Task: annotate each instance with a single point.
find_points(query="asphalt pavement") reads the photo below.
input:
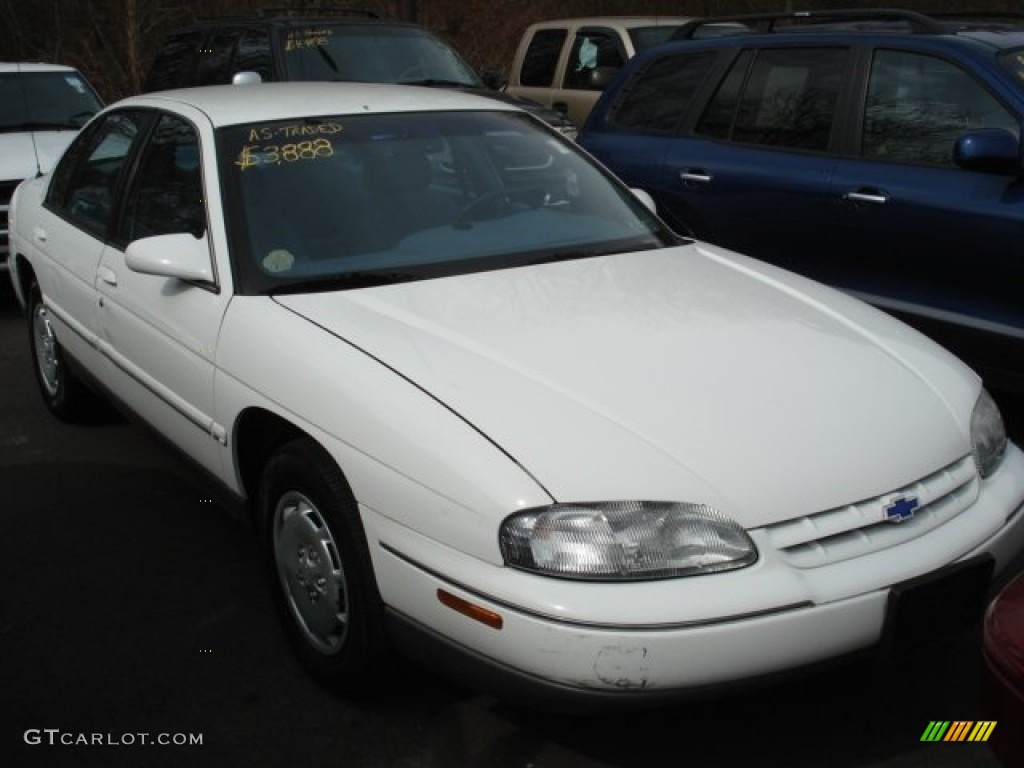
(136, 629)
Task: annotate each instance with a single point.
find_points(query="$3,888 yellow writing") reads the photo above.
(274, 154)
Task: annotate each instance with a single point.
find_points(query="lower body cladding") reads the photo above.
(542, 639)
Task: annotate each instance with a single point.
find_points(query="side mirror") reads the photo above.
(989, 150)
(494, 80)
(600, 77)
(180, 256)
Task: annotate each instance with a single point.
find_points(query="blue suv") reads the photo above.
(878, 151)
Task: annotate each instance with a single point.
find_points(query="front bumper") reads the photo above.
(770, 619)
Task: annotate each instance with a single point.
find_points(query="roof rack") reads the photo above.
(314, 9)
(759, 23)
(981, 19)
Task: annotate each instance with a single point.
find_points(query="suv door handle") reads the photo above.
(695, 175)
(39, 234)
(873, 196)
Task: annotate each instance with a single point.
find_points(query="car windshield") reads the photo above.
(41, 101)
(373, 54)
(1014, 62)
(351, 201)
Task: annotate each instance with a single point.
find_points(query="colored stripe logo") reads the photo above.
(958, 730)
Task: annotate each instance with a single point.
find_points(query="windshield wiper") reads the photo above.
(344, 282)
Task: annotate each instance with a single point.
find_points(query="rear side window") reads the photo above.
(658, 96)
(917, 105)
(541, 58)
(788, 100)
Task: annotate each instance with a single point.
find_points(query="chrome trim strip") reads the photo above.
(667, 627)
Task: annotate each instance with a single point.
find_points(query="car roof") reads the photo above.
(304, 20)
(238, 104)
(33, 66)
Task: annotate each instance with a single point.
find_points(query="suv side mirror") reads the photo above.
(989, 150)
(494, 80)
(600, 77)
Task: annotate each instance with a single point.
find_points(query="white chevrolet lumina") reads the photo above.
(483, 405)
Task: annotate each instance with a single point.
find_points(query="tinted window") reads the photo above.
(718, 118)
(174, 63)
(591, 49)
(789, 99)
(253, 54)
(351, 199)
(86, 180)
(214, 63)
(647, 37)
(374, 54)
(918, 105)
(167, 191)
(657, 97)
(45, 100)
(541, 58)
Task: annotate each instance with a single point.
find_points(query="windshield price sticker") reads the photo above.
(307, 38)
(293, 131)
(275, 154)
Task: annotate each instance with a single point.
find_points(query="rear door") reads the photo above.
(917, 233)
(753, 172)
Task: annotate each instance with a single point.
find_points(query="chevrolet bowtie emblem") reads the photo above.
(900, 509)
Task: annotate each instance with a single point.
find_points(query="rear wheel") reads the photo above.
(63, 394)
(320, 568)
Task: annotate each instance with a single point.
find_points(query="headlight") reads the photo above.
(988, 434)
(623, 541)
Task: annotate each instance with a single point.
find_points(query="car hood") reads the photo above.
(25, 154)
(686, 374)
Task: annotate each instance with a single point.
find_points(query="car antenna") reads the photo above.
(28, 114)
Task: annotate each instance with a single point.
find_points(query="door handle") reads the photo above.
(107, 275)
(875, 197)
(695, 176)
(39, 234)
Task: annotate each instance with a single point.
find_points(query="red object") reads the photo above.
(1003, 649)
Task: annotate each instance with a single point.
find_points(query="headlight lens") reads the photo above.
(624, 541)
(988, 434)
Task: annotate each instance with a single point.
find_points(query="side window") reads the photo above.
(173, 65)
(658, 96)
(541, 58)
(214, 63)
(167, 191)
(253, 54)
(789, 99)
(718, 118)
(591, 49)
(86, 180)
(917, 105)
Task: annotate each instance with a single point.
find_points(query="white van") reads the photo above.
(42, 107)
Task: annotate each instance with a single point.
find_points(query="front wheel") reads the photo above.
(63, 394)
(320, 567)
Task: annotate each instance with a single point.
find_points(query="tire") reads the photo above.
(64, 395)
(320, 570)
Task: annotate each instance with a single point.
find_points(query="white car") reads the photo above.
(483, 404)
(42, 106)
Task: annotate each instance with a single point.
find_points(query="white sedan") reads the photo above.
(483, 405)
